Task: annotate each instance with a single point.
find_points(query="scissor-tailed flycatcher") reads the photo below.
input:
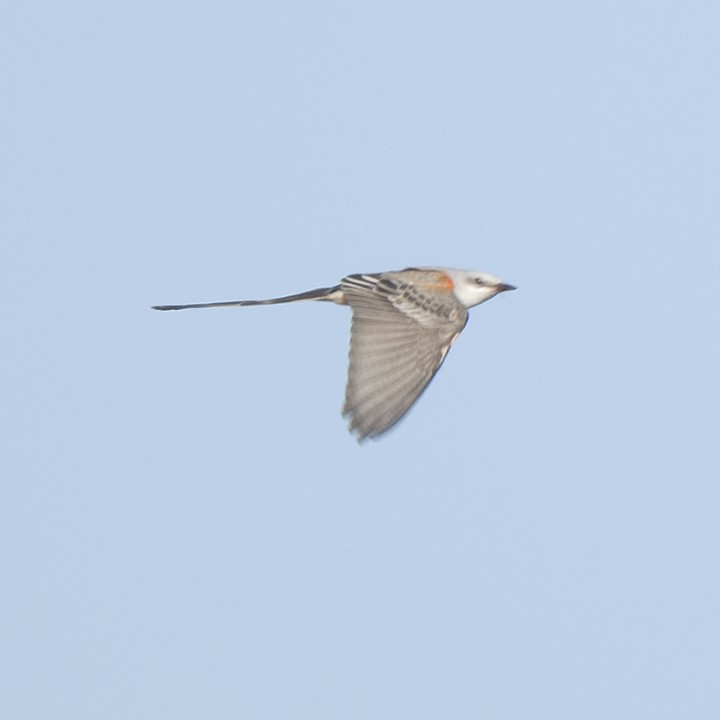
(403, 324)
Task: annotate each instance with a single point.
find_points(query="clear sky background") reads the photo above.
(187, 530)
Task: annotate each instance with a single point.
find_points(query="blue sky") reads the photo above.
(186, 527)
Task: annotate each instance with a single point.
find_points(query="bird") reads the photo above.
(403, 325)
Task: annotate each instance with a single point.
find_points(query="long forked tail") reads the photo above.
(332, 294)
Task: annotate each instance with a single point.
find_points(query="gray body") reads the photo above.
(403, 324)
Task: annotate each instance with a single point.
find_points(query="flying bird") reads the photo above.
(403, 324)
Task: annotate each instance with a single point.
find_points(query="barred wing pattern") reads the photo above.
(400, 336)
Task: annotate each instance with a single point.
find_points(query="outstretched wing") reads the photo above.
(403, 325)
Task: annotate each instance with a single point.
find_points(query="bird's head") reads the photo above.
(472, 287)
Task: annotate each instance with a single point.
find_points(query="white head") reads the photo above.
(473, 287)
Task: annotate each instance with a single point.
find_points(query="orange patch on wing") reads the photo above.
(444, 282)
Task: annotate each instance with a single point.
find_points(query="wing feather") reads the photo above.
(399, 339)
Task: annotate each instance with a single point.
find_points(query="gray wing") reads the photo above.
(400, 336)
